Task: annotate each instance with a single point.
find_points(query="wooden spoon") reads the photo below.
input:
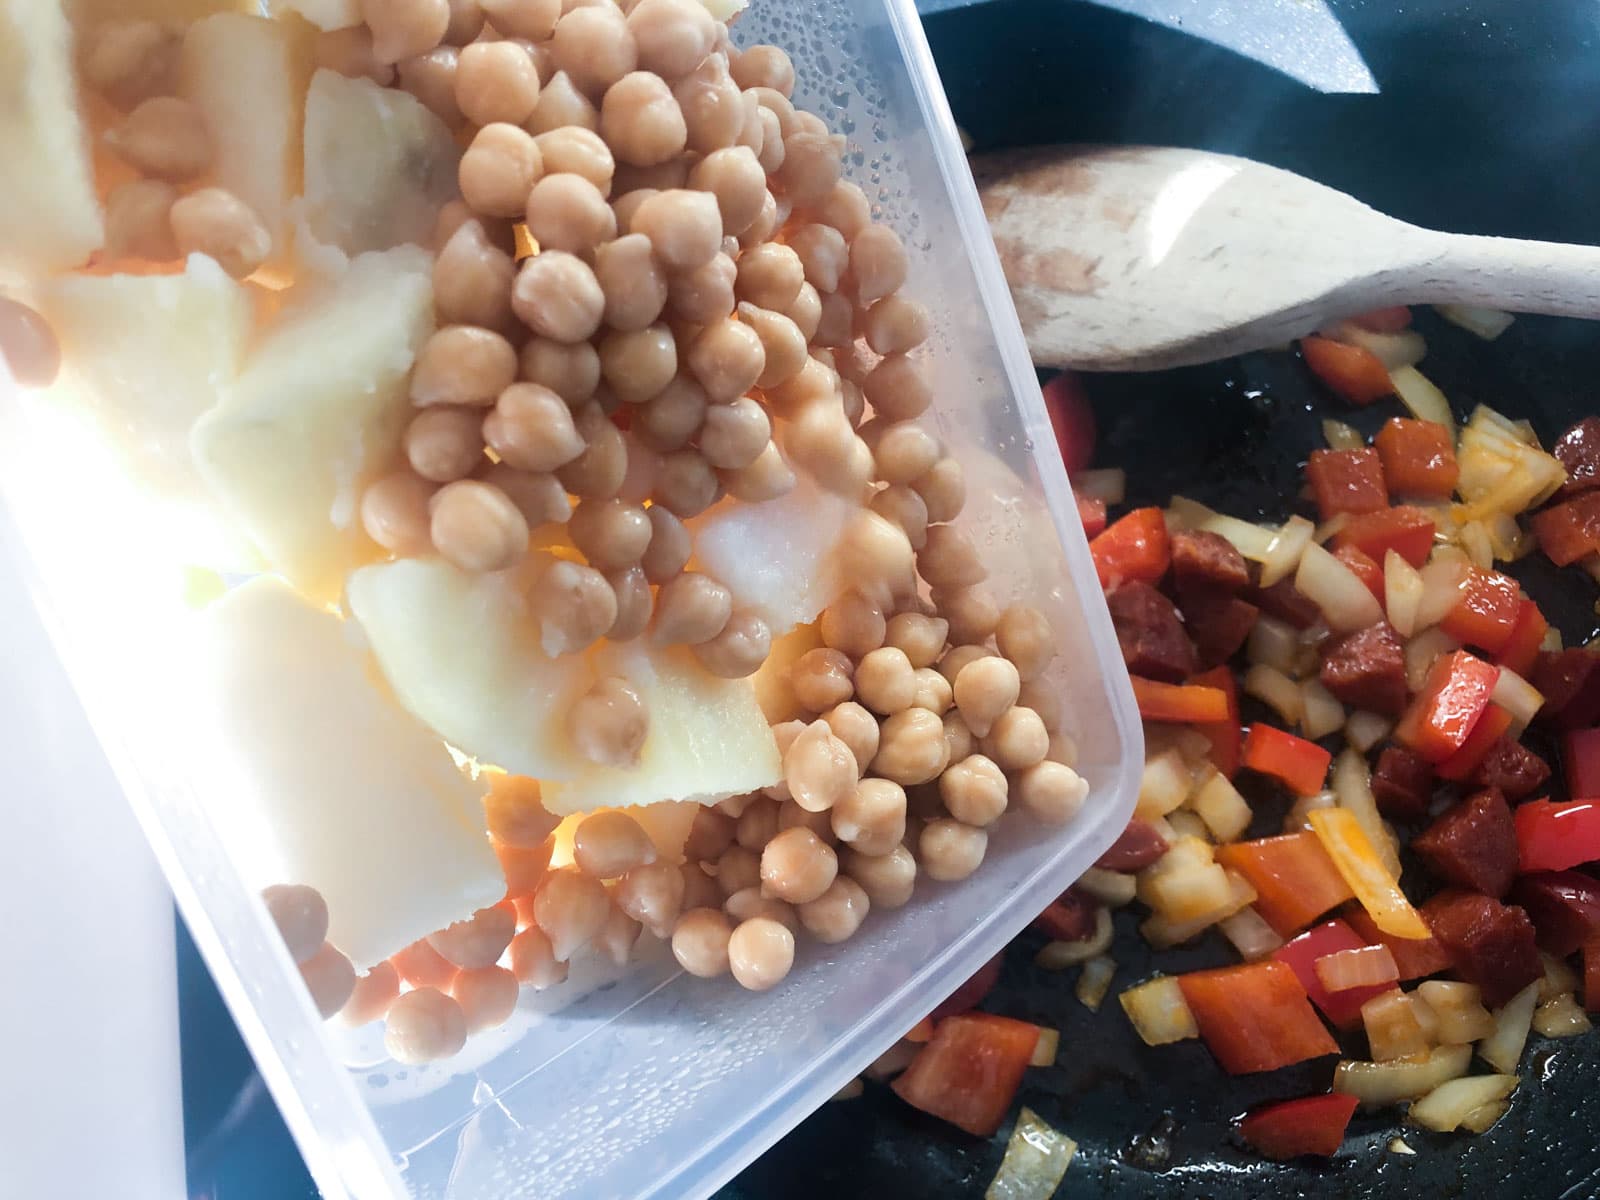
(1136, 258)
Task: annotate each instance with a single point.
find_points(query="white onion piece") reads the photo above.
(1276, 690)
(1159, 1013)
(1250, 934)
(1558, 978)
(1487, 323)
(1285, 553)
(1036, 1158)
(1423, 651)
(1321, 713)
(1298, 819)
(1459, 1008)
(1364, 730)
(1561, 1018)
(1273, 643)
(1474, 539)
(1442, 580)
(1402, 592)
(1446, 1106)
(1352, 785)
(1380, 1084)
(1426, 402)
(1252, 541)
(1359, 967)
(1340, 436)
(1094, 981)
(1058, 956)
(1112, 888)
(1335, 589)
(1518, 697)
(1502, 1049)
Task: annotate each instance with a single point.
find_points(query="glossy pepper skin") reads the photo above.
(1451, 702)
(1255, 1017)
(1311, 1125)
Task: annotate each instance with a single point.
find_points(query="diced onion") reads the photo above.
(1111, 888)
(1193, 894)
(1446, 1106)
(1273, 643)
(1422, 652)
(1502, 467)
(1402, 592)
(1252, 541)
(1110, 484)
(1474, 539)
(1518, 697)
(1402, 348)
(1502, 1049)
(1189, 825)
(1393, 1030)
(1398, 1146)
(1321, 713)
(1036, 1158)
(1382, 1084)
(1364, 730)
(1094, 981)
(1426, 402)
(1250, 934)
(1367, 872)
(1481, 1120)
(1334, 588)
(1340, 436)
(1164, 786)
(1561, 1018)
(1163, 932)
(1046, 1048)
(1506, 537)
(1359, 967)
(1442, 580)
(1558, 978)
(1224, 811)
(1552, 642)
(1058, 956)
(1275, 689)
(1487, 323)
(1462, 1016)
(1159, 1012)
(1352, 784)
(1298, 818)
(1284, 554)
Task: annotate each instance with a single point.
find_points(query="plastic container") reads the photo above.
(650, 1084)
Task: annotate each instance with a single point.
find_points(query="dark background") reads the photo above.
(1488, 122)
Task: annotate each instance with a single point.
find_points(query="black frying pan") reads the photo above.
(1485, 125)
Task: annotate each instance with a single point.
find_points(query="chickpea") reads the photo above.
(301, 915)
(532, 429)
(701, 890)
(974, 790)
(691, 608)
(738, 868)
(1018, 739)
(823, 254)
(749, 904)
(822, 678)
(572, 605)
(487, 996)
(594, 47)
(684, 227)
(472, 280)
(797, 866)
(853, 624)
(371, 997)
(608, 725)
(734, 177)
(531, 19)
(515, 813)
(898, 390)
(561, 106)
(453, 214)
(1025, 637)
(886, 681)
(760, 953)
(572, 150)
(878, 263)
(669, 548)
(673, 36)
(791, 815)
(138, 220)
(855, 362)
(700, 942)
(712, 106)
(423, 1026)
(984, 688)
(570, 370)
(652, 894)
(611, 534)
(895, 325)
(758, 824)
(599, 471)
(949, 850)
(733, 435)
(394, 513)
(958, 738)
(618, 936)
(164, 137)
(887, 879)
(703, 295)
(557, 296)
(766, 224)
(214, 221)
(1052, 791)
(129, 61)
(476, 527)
(766, 139)
(404, 28)
(443, 444)
(570, 907)
(921, 638)
(835, 320)
(686, 485)
(639, 364)
(806, 313)
(949, 560)
(765, 479)
(876, 555)
(635, 603)
(846, 208)
(496, 82)
(480, 940)
(911, 747)
(932, 691)
(641, 120)
(783, 347)
(835, 915)
(728, 357)
(608, 845)
(972, 612)
(819, 769)
(811, 166)
(463, 365)
(769, 276)
(763, 66)
(568, 212)
(634, 284)
(420, 965)
(856, 728)
(534, 961)
(711, 833)
(905, 452)
(872, 819)
(739, 650)
(430, 77)
(943, 490)
(499, 169)
(539, 497)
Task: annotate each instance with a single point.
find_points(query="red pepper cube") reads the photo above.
(1353, 372)
(1364, 569)
(1450, 704)
(1580, 752)
(1405, 529)
(1312, 1125)
(1255, 1017)
(969, 1071)
(1072, 419)
(1419, 459)
(1301, 765)
(1486, 615)
(1521, 650)
(1416, 958)
(1186, 704)
(1225, 735)
(1300, 956)
(1134, 548)
(1295, 880)
(1092, 512)
(1459, 767)
(1553, 837)
(1569, 531)
(1564, 907)
(1347, 481)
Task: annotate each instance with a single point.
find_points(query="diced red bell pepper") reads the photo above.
(1301, 765)
(1521, 650)
(1353, 372)
(1347, 481)
(1225, 735)
(1451, 702)
(1312, 1125)
(1364, 569)
(1416, 958)
(1071, 918)
(1255, 1017)
(971, 993)
(1553, 837)
(1580, 752)
(1300, 956)
(1419, 459)
(1135, 547)
(1092, 512)
(1570, 531)
(1591, 976)
(1459, 766)
(969, 1071)
(1486, 614)
(1072, 418)
(1295, 880)
(1187, 704)
(1405, 529)
(1384, 320)
(1138, 846)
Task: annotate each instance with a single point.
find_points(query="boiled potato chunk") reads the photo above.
(49, 217)
(462, 655)
(248, 76)
(156, 10)
(378, 165)
(324, 14)
(325, 781)
(318, 409)
(707, 737)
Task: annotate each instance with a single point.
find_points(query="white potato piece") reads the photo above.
(49, 216)
(248, 76)
(326, 781)
(378, 165)
(318, 408)
(157, 10)
(324, 14)
(707, 739)
(462, 656)
(774, 556)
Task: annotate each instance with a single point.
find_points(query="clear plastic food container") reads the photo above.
(640, 1082)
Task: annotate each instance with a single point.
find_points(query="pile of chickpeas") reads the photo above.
(655, 291)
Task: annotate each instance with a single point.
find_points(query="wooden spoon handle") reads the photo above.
(1530, 277)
